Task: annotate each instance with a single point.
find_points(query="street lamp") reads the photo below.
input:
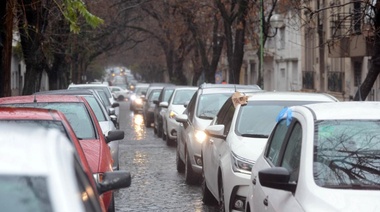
(276, 21)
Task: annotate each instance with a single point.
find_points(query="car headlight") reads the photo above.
(133, 97)
(98, 177)
(200, 136)
(240, 164)
(172, 114)
(139, 101)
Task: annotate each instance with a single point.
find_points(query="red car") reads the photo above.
(86, 127)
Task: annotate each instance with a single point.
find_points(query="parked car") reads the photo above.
(86, 127)
(119, 93)
(174, 106)
(164, 96)
(136, 98)
(200, 111)
(320, 157)
(103, 90)
(103, 117)
(40, 171)
(148, 106)
(237, 136)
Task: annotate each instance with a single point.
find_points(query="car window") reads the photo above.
(104, 98)
(209, 104)
(24, 193)
(292, 153)
(223, 111)
(75, 112)
(94, 104)
(346, 154)
(182, 96)
(257, 118)
(191, 106)
(154, 95)
(228, 118)
(275, 142)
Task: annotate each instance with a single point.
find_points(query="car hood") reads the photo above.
(92, 150)
(249, 148)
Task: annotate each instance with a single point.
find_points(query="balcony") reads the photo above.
(351, 46)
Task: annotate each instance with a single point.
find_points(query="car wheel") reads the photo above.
(190, 176)
(120, 98)
(179, 163)
(164, 134)
(207, 196)
(159, 130)
(221, 196)
(111, 207)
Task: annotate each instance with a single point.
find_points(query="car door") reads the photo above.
(268, 159)
(286, 155)
(212, 149)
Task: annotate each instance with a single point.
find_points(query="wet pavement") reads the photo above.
(156, 184)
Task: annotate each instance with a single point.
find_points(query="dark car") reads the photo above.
(165, 95)
(148, 108)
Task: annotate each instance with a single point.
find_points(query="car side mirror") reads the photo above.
(164, 104)
(216, 131)
(115, 104)
(114, 135)
(111, 111)
(276, 178)
(182, 118)
(114, 180)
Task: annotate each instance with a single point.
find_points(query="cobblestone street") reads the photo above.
(156, 184)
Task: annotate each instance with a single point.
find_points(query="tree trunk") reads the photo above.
(373, 72)
(6, 35)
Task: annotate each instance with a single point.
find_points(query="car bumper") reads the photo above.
(236, 187)
(172, 126)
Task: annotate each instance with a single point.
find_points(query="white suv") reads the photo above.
(237, 136)
(199, 113)
(320, 157)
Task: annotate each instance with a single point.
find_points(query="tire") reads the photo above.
(191, 177)
(164, 135)
(120, 98)
(207, 197)
(111, 207)
(159, 130)
(179, 163)
(221, 196)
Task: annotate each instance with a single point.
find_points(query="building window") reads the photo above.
(335, 81)
(357, 73)
(308, 79)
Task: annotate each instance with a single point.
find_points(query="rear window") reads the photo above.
(75, 112)
(24, 193)
(48, 124)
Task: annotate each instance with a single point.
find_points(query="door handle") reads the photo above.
(254, 181)
(266, 201)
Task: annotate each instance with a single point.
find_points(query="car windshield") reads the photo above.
(209, 104)
(104, 98)
(347, 154)
(168, 93)
(24, 193)
(140, 90)
(96, 107)
(182, 96)
(257, 118)
(154, 95)
(75, 112)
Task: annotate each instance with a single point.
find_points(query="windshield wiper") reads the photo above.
(254, 135)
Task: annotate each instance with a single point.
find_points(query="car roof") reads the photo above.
(41, 148)
(29, 113)
(66, 92)
(229, 86)
(88, 85)
(41, 98)
(287, 96)
(344, 110)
